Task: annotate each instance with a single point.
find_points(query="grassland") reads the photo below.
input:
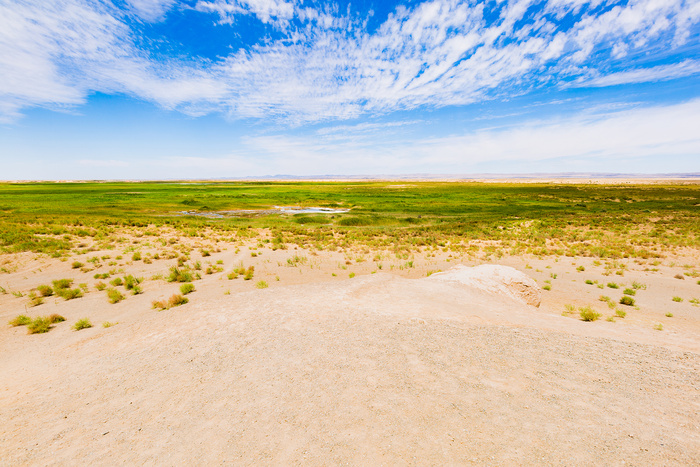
(607, 221)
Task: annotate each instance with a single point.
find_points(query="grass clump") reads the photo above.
(100, 286)
(136, 256)
(659, 327)
(677, 299)
(21, 320)
(613, 285)
(116, 282)
(620, 313)
(45, 290)
(174, 300)
(83, 323)
(669, 315)
(588, 314)
(638, 286)
(547, 287)
(56, 318)
(631, 292)
(114, 296)
(35, 300)
(179, 275)
(39, 325)
(627, 300)
(261, 285)
(186, 288)
(589, 282)
(77, 265)
(107, 324)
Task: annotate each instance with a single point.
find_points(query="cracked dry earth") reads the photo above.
(379, 370)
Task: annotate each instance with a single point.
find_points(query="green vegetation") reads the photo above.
(602, 221)
(620, 313)
(39, 325)
(677, 299)
(179, 275)
(669, 315)
(588, 314)
(186, 288)
(261, 285)
(613, 285)
(631, 292)
(82, 324)
(56, 318)
(45, 290)
(21, 320)
(627, 300)
(115, 296)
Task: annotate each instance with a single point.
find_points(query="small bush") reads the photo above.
(627, 300)
(205, 253)
(659, 327)
(631, 292)
(580, 269)
(35, 300)
(100, 286)
(161, 304)
(620, 313)
(547, 287)
(589, 282)
(56, 318)
(130, 281)
(261, 285)
(115, 296)
(669, 315)
(21, 320)
(70, 294)
(679, 276)
(107, 324)
(351, 275)
(77, 265)
(135, 290)
(116, 282)
(613, 285)
(677, 299)
(638, 286)
(136, 256)
(82, 324)
(179, 275)
(62, 284)
(588, 314)
(39, 325)
(177, 300)
(45, 290)
(186, 288)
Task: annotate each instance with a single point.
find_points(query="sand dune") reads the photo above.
(380, 369)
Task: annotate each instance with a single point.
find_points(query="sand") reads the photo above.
(388, 367)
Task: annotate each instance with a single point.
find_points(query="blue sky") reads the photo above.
(150, 89)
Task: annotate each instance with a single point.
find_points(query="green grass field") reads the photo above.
(590, 220)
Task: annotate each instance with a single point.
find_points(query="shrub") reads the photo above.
(39, 325)
(261, 285)
(56, 318)
(116, 282)
(70, 294)
(659, 327)
(107, 324)
(638, 286)
(45, 290)
(588, 314)
(115, 296)
(677, 299)
(82, 324)
(627, 300)
(35, 300)
(162, 304)
(547, 287)
(613, 285)
(589, 282)
(186, 288)
(136, 256)
(629, 292)
(205, 253)
(669, 315)
(620, 313)
(100, 286)
(130, 281)
(351, 275)
(135, 290)
(179, 275)
(77, 264)
(62, 284)
(21, 320)
(580, 269)
(177, 300)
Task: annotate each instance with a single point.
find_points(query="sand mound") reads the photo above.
(495, 279)
(374, 370)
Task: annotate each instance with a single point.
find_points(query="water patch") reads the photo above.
(262, 212)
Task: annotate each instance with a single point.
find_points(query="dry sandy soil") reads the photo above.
(388, 367)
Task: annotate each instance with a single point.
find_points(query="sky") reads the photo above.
(166, 89)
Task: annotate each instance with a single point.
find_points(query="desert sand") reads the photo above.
(389, 367)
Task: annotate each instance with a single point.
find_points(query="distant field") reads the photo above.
(564, 219)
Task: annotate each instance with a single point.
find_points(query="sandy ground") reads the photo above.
(387, 367)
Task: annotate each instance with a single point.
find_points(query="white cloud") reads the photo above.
(614, 141)
(643, 75)
(327, 65)
(151, 10)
